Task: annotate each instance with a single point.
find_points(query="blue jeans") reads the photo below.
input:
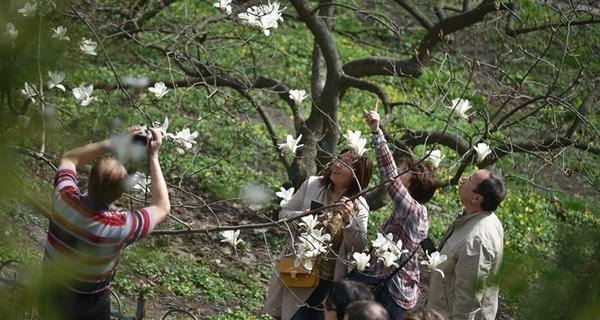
(313, 308)
(386, 300)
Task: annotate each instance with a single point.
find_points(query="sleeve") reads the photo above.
(355, 233)
(142, 223)
(472, 270)
(387, 166)
(294, 207)
(65, 176)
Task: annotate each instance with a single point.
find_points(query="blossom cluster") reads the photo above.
(313, 243)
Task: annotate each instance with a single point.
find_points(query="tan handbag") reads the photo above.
(298, 277)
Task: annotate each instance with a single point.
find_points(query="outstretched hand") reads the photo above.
(372, 117)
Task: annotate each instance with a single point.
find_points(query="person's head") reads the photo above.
(422, 313)
(105, 184)
(366, 310)
(349, 171)
(341, 294)
(483, 190)
(419, 178)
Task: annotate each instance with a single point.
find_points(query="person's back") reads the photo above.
(85, 238)
(366, 310)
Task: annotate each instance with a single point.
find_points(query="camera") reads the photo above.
(141, 138)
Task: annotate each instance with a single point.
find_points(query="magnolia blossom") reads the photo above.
(389, 259)
(298, 96)
(460, 107)
(28, 10)
(436, 157)
(264, 17)
(60, 33)
(355, 142)
(10, 34)
(55, 80)
(162, 128)
(184, 139)
(434, 260)
(311, 246)
(361, 260)
(88, 46)
(482, 151)
(309, 222)
(285, 195)
(291, 144)
(396, 248)
(159, 89)
(223, 5)
(382, 243)
(231, 237)
(83, 94)
(138, 182)
(29, 91)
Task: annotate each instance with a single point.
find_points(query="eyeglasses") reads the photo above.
(327, 305)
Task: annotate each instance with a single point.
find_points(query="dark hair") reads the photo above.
(366, 310)
(422, 313)
(492, 189)
(423, 182)
(344, 292)
(105, 184)
(363, 170)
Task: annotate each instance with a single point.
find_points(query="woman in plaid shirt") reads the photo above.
(409, 187)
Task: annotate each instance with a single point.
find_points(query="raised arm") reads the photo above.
(159, 203)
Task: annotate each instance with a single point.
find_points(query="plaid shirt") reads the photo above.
(408, 222)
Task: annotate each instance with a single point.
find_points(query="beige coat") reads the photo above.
(474, 250)
(283, 302)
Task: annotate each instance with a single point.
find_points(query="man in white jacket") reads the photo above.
(474, 245)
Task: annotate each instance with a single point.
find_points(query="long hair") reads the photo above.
(363, 171)
(423, 182)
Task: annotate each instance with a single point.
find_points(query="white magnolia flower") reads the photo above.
(361, 260)
(285, 195)
(482, 151)
(29, 91)
(223, 5)
(162, 128)
(10, 34)
(311, 246)
(460, 107)
(382, 243)
(138, 182)
(291, 144)
(60, 33)
(434, 260)
(389, 259)
(355, 142)
(436, 157)
(396, 248)
(265, 17)
(298, 96)
(88, 46)
(309, 222)
(28, 10)
(184, 139)
(159, 89)
(83, 94)
(231, 237)
(55, 80)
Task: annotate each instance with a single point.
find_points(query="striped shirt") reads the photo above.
(83, 245)
(408, 222)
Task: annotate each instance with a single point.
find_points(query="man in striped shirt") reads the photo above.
(410, 187)
(85, 238)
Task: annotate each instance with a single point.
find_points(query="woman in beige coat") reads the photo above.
(346, 223)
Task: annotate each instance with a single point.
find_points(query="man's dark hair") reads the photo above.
(492, 189)
(366, 310)
(423, 182)
(344, 292)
